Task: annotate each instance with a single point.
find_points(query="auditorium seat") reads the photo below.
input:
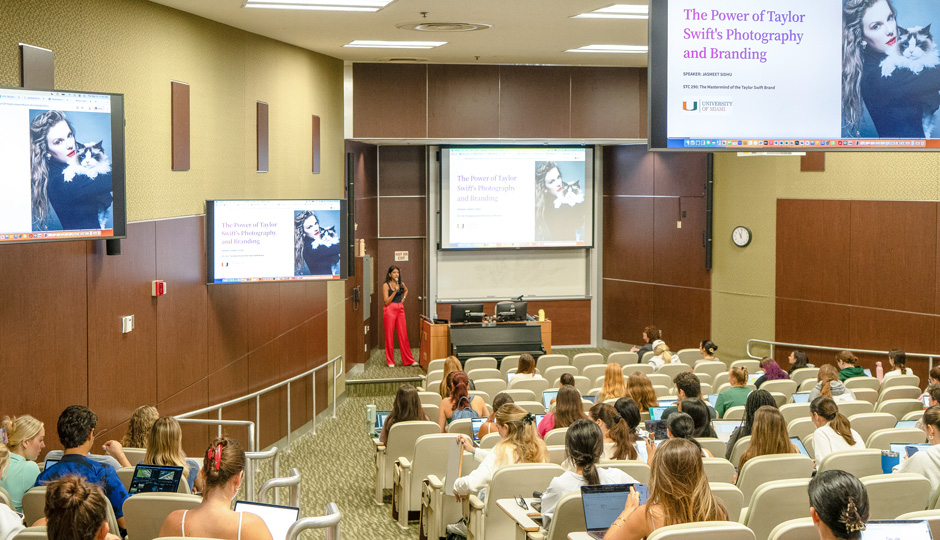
(671, 370)
(490, 386)
(780, 399)
(593, 371)
(861, 462)
(556, 454)
(775, 502)
(689, 356)
(661, 379)
(899, 392)
(795, 529)
(462, 425)
(712, 369)
(581, 360)
(486, 519)
(866, 394)
(401, 443)
(753, 366)
(718, 469)
(703, 530)
(801, 427)
(883, 437)
(703, 378)
(522, 394)
(643, 368)
(803, 374)
(429, 398)
(125, 475)
(637, 469)
(807, 385)
(534, 407)
(483, 373)
(144, 513)
(784, 386)
(34, 506)
(914, 415)
(490, 440)
(761, 469)
(624, 358)
(730, 496)
(900, 380)
(792, 411)
(720, 379)
(555, 372)
(863, 382)
(586, 406)
(716, 446)
(431, 454)
(433, 411)
(661, 391)
(5, 498)
(437, 510)
(31, 533)
(479, 362)
(899, 407)
(548, 360)
(568, 517)
(890, 495)
(433, 381)
(850, 408)
(741, 446)
(735, 413)
(508, 363)
(556, 436)
(646, 357)
(487, 398)
(868, 423)
(581, 383)
(134, 455)
(535, 385)
(437, 364)
(706, 388)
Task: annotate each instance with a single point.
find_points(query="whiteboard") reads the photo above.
(500, 275)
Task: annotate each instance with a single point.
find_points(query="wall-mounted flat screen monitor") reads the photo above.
(777, 75)
(63, 165)
(464, 313)
(275, 240)
(517, 197)
(511, 311)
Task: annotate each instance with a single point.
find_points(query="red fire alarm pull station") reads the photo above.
(157, 287)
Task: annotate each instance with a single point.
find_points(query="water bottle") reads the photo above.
(889, 459)
(879, 372)
(370, 418)
(541, 314)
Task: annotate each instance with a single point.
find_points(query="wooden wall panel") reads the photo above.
(390, 100)
(534, 102)
(463, 101)
(355, 325)
(628, 170)
(799, 321)
(879, 329)
(195, 396)
(604, 103)
(412, 274)
(628, 307)
(683, 315)
(402, 171)
(894, 253)
(263, 311)
(679, 256)
(228, 383)
(227, 321)
(628, 245)
(298, 303)
(813, 247)
(365, 157)
(264, 369)
(681, 174)
(402, 216)
(182, 327)
(119, 286)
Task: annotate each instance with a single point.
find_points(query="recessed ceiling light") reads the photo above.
(617, 11)
(618, 49)
(320, 5)
(443, 26)
(395, 44)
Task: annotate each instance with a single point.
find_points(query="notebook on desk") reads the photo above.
(277, 518)
(155, 479)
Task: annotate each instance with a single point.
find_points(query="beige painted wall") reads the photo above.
(746, 193)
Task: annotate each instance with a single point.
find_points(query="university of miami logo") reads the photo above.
(686, 106)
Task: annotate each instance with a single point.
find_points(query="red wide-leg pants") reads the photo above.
(394, 317)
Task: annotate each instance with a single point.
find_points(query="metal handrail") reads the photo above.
(257, 397)
(773, 344)
(330, 522)
(292, 481)
(250, 466)
(267, 454)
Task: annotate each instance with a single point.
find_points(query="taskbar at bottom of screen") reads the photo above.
(56, 235)
(268, 279)
(751, 145)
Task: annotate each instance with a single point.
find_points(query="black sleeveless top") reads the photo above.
(398, 294)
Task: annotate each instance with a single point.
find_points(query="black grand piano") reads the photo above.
(496, 340)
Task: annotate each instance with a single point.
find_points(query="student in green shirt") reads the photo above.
(848, 366)
(736, 395)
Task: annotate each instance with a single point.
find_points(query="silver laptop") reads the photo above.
(800, 397)
(724, 428)
(895, 529)
(277, 518)
(603, 503)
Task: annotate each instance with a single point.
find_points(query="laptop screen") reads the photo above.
(155, 479)
(538, 419)
(906, 424)
(896, 529)
(476, 423)
(548, 396)
(667, 402)
(799, 445)
(926, 400)
(712, 400)
(906, 450)
(277, 518)
(752, 377)
(603, 503)
(724, 428)
(867, 372)
(800, 397)
(592, 398)
(656, 413)
(380, 417)
(49, 463)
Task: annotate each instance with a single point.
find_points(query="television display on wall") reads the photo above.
(275, 240)
(795, 75)
(63, 165)
(517, 197)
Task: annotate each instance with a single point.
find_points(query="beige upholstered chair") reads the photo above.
(486, 519)
(890, 495)
(758, 470)
(775, 502)
(703, 530)
(401, 443)
(624, 358)
(861, 462)
(144, 513)
(795, 529)
(718, 469)
(581, 360)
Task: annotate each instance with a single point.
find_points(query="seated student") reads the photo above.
(769, 435)
(688, 386)
(679, 426)
(772, 372)
(566, 379)
(164, 447)
(76, 509)
(614, 385)
(629, 410)
(898, 360)
(489, 425)
(755, 400)
(583, 448)
(568, 408)
(933, 399)
(927, 462)
(526, 369)
(25, 437)
(640, 389)
(707, 348)
(619, 438)
(650, 334)
(139, 427)
(451, 365)
(848, 366)
(679, 493)
(223, 470)
(460, 402)
(833, 430)
(10, 522)
(406, 407)
(838, 504)
(798, 360)
(661, 355)
(697, 409)
(735, 396)
(829, 385)
(76, 429)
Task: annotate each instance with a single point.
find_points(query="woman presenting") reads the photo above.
(394, 293)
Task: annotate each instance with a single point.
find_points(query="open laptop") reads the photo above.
(906, 424)
(49, 463)
(155, 479)
(667, 401)
(656, 413)
(712, 399)
(380, 417)
(908, 529)
(799, 446)
(476, 423)
(277, 518)
(724, 428)
(867, 372)
(800, 397)
(906, 450)
(752, 377)
(548, 396)
(592, 398)
(538, 419)
(603, 503)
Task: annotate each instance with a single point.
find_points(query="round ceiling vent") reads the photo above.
(404, 60)
(443, 26)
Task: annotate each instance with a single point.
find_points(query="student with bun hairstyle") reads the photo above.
(707, 348)
(76, 510)
(11, 523)
(640, 389)
(833, 430)
(614, 385)
(25, 437)
(735, 396)
(830, 386)
(583, 448)
(619, 438)
(848, 366)
(223, 471)
(838, 504)
(679, 493)
(898, 361)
